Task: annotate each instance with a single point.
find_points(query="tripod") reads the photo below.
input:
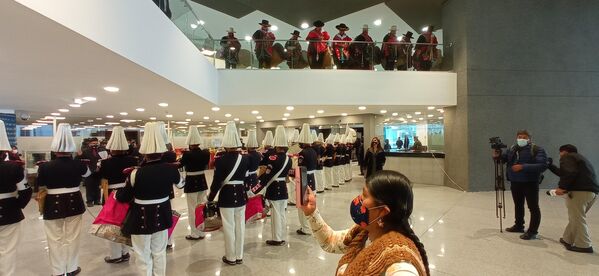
(499, 192)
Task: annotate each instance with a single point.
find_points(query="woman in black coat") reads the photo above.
(375, 157)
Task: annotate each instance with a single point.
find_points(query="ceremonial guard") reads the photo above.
(362, 51)
(349, 140)
(404, 60)
(112, 169)
(169, 156)
(339, 159)
(230, 49)
(306, 158)
(329, 163)
(92, 182)
(317, 46)
(254, 159)
(195, 162)
(150, 215)
(267, 149)
(264, 39)
(15, 193)
(318, 147)
(341, 47)
(63, 206)
(294, 50)
(229, 174)
(292, 152)
(426, 50)
(390, 49)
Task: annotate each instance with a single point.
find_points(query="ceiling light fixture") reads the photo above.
(139, 109)
(394, 114)
(417, 112)
(169, 115)
(193, 26)
(89, 99)
(274, 28)
(311, 116)
(55, 114)
(63, 110)
(284, 119)
(189, 112)
(361, 107)
(216, 108)
(217, 121)
(286, 114)
(343, 114)
(255, 112)
(258, 117)
(248, 38)
(430, 107)
(261, 121)
(383, 111)
(320, 111)
(242, 122)
(75, 105)
(227, 115)
(124, 113)
(440, 118)
(304, 25)
(378, 22)
(163, 104)
(430, 115)
(112, 89)
(79, 101)
(236, 119)
(152, 118)
(109, 116)
(290, 108)
(206, 118)
(188, 120)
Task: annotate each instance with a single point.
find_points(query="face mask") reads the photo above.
(522, 142)
(359, 213)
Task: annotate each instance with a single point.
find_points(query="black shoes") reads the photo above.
(75, 272)
(564, 243)
(528, 236)
(327, 189)
(124, 258)
(169, 247)
(290, 204)
(228, 262)
(515, 229)
(275, 243)
(90, 204)
(239, 261)
(300, 232)
(580, 249)
(192, 238)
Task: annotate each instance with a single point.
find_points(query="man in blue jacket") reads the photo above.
(525, 164)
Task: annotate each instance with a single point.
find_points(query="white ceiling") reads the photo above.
(45, 66)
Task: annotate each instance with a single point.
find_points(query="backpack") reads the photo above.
(534, 150)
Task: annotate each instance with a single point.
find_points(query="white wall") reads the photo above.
(138, 31)
(316, 87)
(40, 143)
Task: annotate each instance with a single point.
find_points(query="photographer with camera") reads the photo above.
(525, 164)
(578, 180)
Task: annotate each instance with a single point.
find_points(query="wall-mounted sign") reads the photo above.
(10, 122)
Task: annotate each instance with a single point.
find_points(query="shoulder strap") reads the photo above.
(132, 177)
(534, 150)
(228, 178)
(277, 174)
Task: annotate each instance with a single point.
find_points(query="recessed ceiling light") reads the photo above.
(193, 26)
(258, 117)
(217, 121)
(188, 120)
(378, 22)
(128, 121)
(189, 112)
(55, 114)
(343, 114)
(163, 104)
(109, 116)
(216, 108)
(90, 121)
(169, 115)
(99, 119)
(383, 111)
(112, 89)
(261, 121)
(75, 105)
(274, 28)
(441, 110)
(78, 101)
(124, 113)
(311, 116)
(111, 123)
(320, 111)
(242, 122)
(236, 119)
(305, 25)
(413, 121)
(255, 112)
(429, 115)
(290, 108)
(402, 119)
(430, 107)
(394, 114)
(420, 119)
(248, 38)
(63, 110)
(440, 118)
(140, 109)
(89, 99)
(152, 118)
(417, 112)
(286, 114)
(206, 118)
(284, 119)
(361, 107)
(409, 116)
(227, 115)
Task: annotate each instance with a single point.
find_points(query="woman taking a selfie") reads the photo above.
(381, 214)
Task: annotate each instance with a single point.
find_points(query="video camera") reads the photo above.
(496, 143)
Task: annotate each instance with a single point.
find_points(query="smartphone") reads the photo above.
(301, 185)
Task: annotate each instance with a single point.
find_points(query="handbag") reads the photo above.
(176, 217)
(113, 212)
(254, 208)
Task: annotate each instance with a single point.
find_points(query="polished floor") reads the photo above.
(459, 231)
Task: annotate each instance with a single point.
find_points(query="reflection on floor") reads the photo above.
(459, 231)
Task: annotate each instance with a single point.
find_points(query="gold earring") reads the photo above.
(381, 223)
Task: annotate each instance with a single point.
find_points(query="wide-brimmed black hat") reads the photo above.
(318, 23)
(408, 34)
(342, 26)
(296, 32)
(264, 23)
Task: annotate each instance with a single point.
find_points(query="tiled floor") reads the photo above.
(459, 231)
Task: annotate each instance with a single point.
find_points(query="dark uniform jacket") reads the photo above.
(319, 149)
(13, 179)
(348, 150)
(112, 168)
(230, 195)
(254, 160)
(340, 155)
(277, 190)
(62, 172)
(309, 159)
(169, 156)
(329, 153)
(576, 173)
(153, 181)
(266, 155)
(195, 160)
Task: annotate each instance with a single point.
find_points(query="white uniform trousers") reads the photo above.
(303, 222)
(193, 199)
(319, 178)
(291, 190)
(151, 253)
(278, 219)
(340, 174)
(9, 238)
(234, 230)
(117, 250)
(63, 243)
(348, 174)
(329, 177)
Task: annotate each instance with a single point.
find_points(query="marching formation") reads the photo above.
(250, 182)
